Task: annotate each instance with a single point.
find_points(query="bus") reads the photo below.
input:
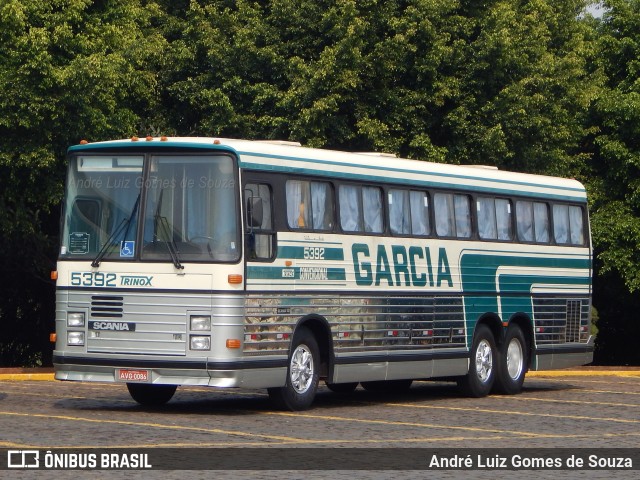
(265, 264)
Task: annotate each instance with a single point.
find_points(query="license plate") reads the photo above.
(126, 375)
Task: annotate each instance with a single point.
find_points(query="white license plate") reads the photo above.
(127, 375)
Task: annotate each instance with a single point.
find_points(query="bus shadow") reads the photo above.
(202, 401)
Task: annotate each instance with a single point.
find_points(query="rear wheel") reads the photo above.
(302, 374)
(482, 371)
(151, 395)
(511, 366)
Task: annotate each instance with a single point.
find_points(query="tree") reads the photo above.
(614, 179)
(68, 70)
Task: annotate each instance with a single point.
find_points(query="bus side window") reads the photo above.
(408, 212)
(576, 226)
(309, 205)
(259, 222)
(541, 222)
(494, 218)
(561, 224)
(361, 209)
(568, 228)
(453, 215)
(445, 218)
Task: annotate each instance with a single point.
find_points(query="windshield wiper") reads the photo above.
(123, 227)
(171, 244)
(166, 231)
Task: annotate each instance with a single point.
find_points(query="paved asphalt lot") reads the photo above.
(577, 409)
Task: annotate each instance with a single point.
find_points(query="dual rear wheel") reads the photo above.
(501, 369)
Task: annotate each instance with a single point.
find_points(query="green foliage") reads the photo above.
(614, 180)
(69, 69)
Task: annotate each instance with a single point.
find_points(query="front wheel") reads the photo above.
(512, 362)
(482, 372)
(151, 395)
(302, 374)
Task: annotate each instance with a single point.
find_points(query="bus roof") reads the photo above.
(290, 157)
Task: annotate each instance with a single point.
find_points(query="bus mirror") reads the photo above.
(254, 212)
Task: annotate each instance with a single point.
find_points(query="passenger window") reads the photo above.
(561, 223)
(494, 218)
(568, 228)
(260, 235)
(409, 212)
(453, 215)
(487, 218)
(399, 212)
(420, 223)
(576, 226)
(532, 222)
(309, 205)
(503, 219)
(445, 218)
(360, 209)
(541, 222)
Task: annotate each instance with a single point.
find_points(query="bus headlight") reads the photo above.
(200, 323)
(200, 342)
(75, 319)
(75, 338)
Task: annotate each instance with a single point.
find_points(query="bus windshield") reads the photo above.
(191, 208)
(170, 208)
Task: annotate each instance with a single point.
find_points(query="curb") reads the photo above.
(26, 376)
(584, 373)
(46, 374)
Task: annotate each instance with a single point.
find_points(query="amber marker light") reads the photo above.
(54, 275)
(163, 138)
(134, 138)
(233, 343)
(83, 142)
(149, 138)
(234, 279)
(216, 142)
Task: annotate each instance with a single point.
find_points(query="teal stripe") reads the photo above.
(479, 271)
(522, 283)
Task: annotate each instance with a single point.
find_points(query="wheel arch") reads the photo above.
(525, 323)
(493, 322)
(319, 327)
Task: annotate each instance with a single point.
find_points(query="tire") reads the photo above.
(482, 372)
(342, 387)
(387, 386)
(511, 366)
(302, 374)
(151, 395)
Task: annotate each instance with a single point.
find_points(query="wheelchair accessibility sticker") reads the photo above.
(127, 248)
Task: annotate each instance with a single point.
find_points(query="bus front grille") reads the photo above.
(106, 306)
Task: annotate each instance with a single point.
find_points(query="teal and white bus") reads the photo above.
(259, 264)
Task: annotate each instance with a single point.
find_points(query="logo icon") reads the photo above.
(127, 248)
(23, 459)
